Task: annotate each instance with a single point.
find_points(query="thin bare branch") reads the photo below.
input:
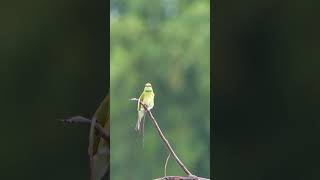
(100, 132)
(165, 165)
(166, 142)
(82, 120)
(168, 146)
(181, 178)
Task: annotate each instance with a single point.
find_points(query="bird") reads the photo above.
(146, 98)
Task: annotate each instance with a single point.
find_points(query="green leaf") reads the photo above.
(101, 149)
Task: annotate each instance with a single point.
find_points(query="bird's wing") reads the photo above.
(140, 100)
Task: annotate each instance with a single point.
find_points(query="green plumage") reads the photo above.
(147, 98)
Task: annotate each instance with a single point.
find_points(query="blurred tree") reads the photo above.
(165, 43)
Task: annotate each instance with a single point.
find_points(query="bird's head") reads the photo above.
(148, 87)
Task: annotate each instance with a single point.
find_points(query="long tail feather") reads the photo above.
(142, 125)
(137, 124)
(140, 116)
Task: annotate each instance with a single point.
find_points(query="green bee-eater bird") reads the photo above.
(147, 98)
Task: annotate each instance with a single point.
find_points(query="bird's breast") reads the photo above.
(149, 100)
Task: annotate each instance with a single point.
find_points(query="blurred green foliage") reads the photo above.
(167, 44)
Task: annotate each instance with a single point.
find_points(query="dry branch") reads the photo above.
(165, 165)
(82, 120)
(181, 178)
(168, 146)
(100, 131)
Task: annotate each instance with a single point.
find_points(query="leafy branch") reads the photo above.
(169, 148)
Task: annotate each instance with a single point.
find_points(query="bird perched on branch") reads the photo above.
(147, 98)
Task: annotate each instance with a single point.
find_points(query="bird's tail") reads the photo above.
(142, 124)
(139, 120)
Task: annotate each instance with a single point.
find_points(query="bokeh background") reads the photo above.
(166, 43)
(53, 65)
(266, 90)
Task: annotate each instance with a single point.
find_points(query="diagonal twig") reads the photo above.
(166, 142)
(165, 165)
(95, 128)
(168, 146)
(181, 178)
(82, 120)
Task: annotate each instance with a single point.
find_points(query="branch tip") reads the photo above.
(133, 99)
